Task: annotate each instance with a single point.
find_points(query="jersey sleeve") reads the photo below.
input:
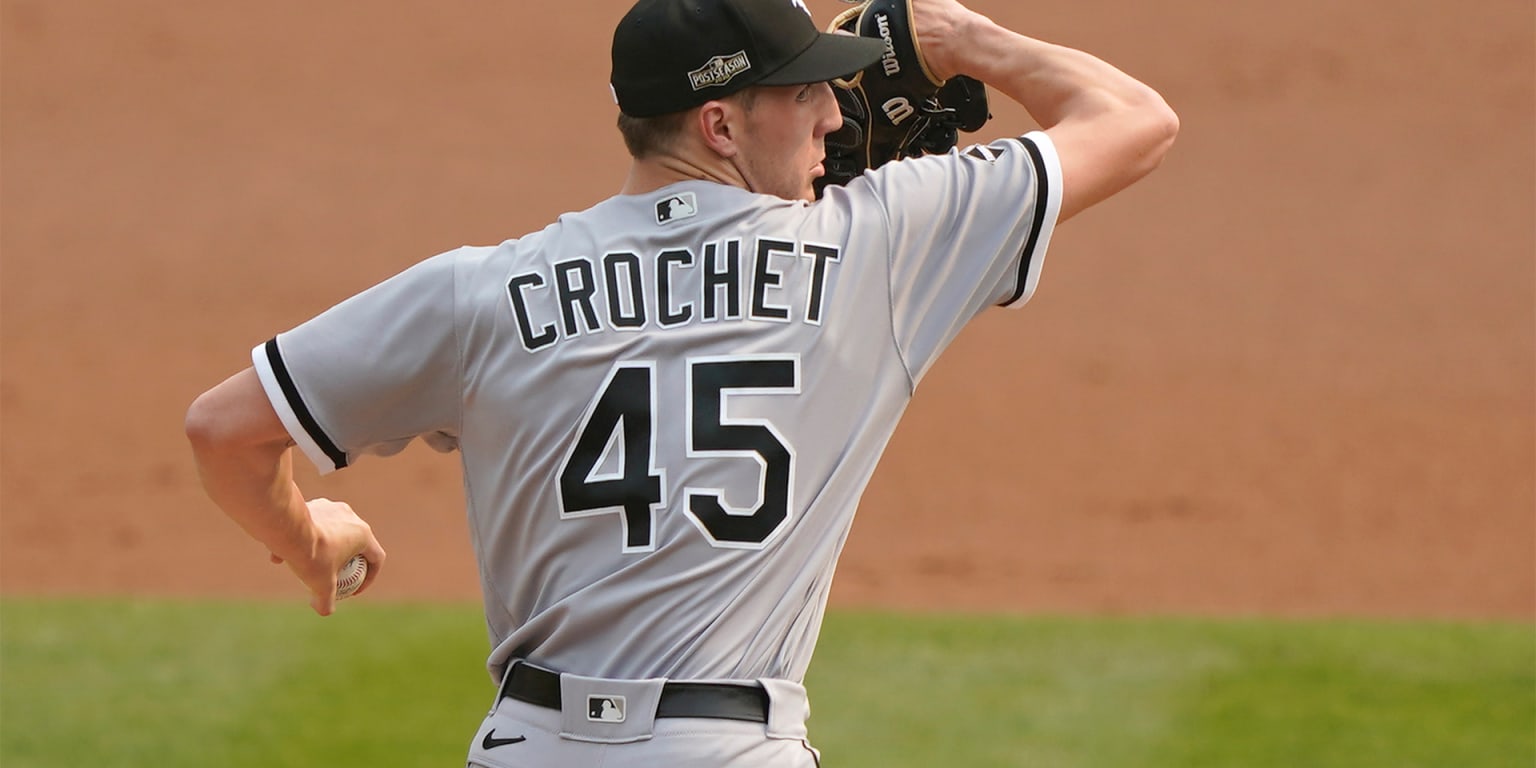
(373, 372)
(968, 230)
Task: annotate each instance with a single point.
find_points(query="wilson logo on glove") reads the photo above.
(898, 109)
(922, 115)
(889, 61)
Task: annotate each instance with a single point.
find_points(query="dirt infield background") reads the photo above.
(1294, 372)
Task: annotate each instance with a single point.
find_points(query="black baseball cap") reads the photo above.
(672, 55)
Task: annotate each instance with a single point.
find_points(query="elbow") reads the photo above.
(1167, 130)
(204, 428)
(214, 424)
(1113, 150)
(1160, 129)
(233, 425)
(218, 431)
(233, 414)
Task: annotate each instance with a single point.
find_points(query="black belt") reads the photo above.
(720, 701)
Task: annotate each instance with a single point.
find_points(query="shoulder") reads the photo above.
(999, 175)
(1032, 152)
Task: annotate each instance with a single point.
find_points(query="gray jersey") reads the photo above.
(668, 405)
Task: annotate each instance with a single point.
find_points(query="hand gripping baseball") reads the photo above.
(339, 534)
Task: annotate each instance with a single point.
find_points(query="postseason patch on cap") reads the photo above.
(719, 70)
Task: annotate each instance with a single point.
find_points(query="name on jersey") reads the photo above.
(729, 280)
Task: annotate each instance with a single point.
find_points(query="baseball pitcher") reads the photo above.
(667, 405)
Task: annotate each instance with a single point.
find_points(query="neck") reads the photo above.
(649, 174)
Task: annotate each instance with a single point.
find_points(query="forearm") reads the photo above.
(1052, 82)
(1108, 128)
(245, 459)
(253, 485)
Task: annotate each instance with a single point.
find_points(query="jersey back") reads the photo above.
(668, 405)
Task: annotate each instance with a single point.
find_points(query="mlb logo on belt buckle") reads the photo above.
(605, 709)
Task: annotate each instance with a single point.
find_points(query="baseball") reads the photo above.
(350, 577)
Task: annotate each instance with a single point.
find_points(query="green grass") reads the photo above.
(238, 684)
(1053, 693)
(163, 683)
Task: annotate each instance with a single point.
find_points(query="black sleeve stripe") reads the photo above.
(1042, 203)
(301, 411)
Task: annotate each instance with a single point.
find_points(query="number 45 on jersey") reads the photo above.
(622, 419)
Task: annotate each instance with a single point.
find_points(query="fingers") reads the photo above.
(322, 592)
(339, 534)
(324, 603)
(374, 554)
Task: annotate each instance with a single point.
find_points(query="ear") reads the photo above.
(719, 123)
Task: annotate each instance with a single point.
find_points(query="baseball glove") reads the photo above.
(896, 108)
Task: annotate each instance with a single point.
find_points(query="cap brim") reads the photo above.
(831, 56)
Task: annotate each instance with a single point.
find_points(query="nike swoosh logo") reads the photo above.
(491, 742)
